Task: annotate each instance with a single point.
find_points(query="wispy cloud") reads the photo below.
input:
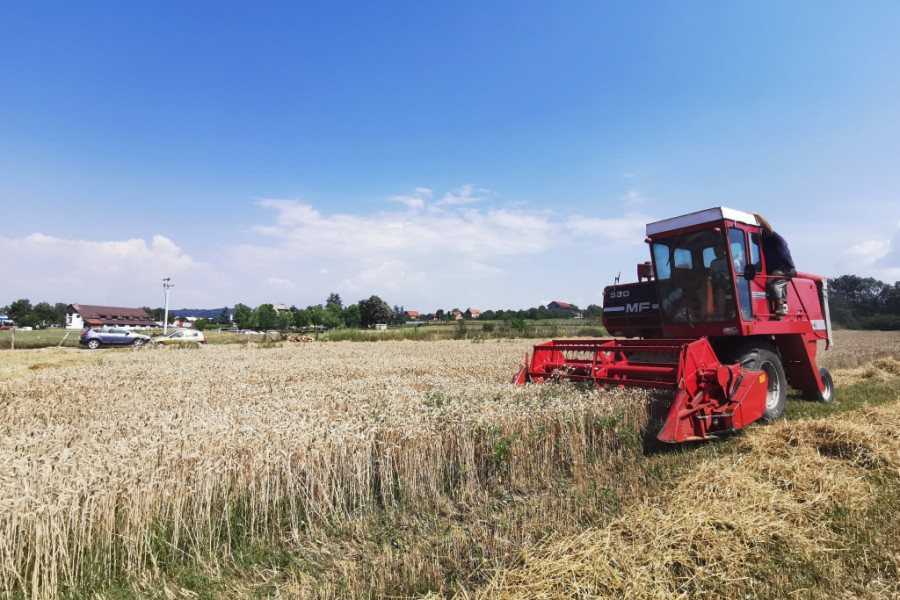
(465, 195)
(629, 229)
(633, 198)
(867, 253)
(415, 200)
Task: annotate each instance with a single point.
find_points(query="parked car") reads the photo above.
(109, 336)
(181, 336)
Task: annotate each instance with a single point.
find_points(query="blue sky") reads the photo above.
(440, 155)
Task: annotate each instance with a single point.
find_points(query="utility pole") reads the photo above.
(166, 286)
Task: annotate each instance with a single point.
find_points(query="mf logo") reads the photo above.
(637, 307)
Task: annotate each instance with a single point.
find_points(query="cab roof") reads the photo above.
(698, 218)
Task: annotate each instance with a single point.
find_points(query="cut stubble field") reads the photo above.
(319, 470)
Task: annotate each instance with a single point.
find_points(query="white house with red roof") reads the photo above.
(82, 316)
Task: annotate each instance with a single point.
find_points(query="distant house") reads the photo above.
(184, 322)
(456, 314)
(82, 316)
(280, 308)
(412, 315)
(560, 306)
(473, 313)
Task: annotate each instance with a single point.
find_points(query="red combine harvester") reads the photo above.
(699, 324)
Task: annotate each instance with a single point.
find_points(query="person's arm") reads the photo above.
(767, 229)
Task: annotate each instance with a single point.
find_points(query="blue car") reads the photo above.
(112, 336)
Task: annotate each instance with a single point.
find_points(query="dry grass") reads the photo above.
(17, 363)
(859, 348)
(192, 449)
(741, 525)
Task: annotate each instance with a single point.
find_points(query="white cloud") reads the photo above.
(465, 195)
(873, 258)
(303, 231)
(629, 229)
(130, 272)
(633, 198)
(90, 258)
(867, 253)
(416, 200)
(437, 250)
(428, 256)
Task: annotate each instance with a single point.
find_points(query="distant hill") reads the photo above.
(200, 313)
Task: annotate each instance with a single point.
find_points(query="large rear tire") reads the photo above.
(767, 361)
(826, 396)
(93, 344)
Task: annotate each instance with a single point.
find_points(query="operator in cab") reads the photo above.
(779, 266)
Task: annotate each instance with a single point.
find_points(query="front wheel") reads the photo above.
(826, 396)
(93, 344)
(767, 361)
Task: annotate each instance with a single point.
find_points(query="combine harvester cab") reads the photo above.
(698, 324)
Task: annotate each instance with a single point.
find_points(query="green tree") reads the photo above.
(301, 318)
(43, 313)
(203, 324)
(242, 314)
(399, 316)
(223, 317)
(593, 311)
(285, 320)
(316, 314)
(155, 313)
(22, 313)
(59, 313)
(332, 317)
(264, 316)
(351, 316)
(373, 311)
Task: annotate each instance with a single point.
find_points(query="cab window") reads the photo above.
(693, 287)
(754, 251)
(683, 258)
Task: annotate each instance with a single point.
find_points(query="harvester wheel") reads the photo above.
(767, 361)
(827, 395)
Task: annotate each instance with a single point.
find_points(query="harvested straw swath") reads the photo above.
(709, 534)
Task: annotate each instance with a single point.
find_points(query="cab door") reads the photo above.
(737, 246)
(758, 284)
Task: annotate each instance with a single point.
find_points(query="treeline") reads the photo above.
(864, 303)
(856, 303)
(365, 314)
(41, 314)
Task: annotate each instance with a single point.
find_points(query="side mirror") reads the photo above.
(750, 272)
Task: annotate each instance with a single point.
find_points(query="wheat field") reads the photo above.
(102, 463)
(112, 465)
